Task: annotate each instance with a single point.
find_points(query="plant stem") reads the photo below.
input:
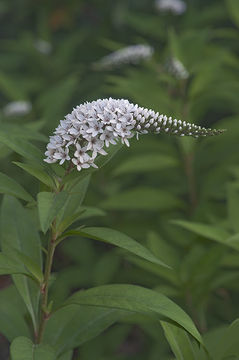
(44, 309)
(45, 286)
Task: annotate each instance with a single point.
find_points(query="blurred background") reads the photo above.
(53, 57)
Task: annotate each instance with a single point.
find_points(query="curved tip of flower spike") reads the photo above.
(92, 127)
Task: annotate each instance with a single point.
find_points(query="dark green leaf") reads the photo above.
(143, 163)
(49, 204)
(38, 172)
(18, 231)
(121, 240)
(136, 299)
(12, 314)
(23, 348)
(142, 198)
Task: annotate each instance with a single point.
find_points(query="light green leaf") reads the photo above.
(18, 231)
(179, 342)
(11, 187)
(12, 314)
(136, 299)
(49, 204)
(142, 198)
(23, 348)
(121, 240)
(144, 163)
(38, 172)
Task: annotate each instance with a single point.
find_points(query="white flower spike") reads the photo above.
(177, 69)
(17, 108)
(177, 7)
(133, 54)
(95, 125)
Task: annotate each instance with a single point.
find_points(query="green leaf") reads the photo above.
(27, 261)
(222, 342)
(49, 204)
(22, 147)
(78, 325)
(66, 356)
(18, 231)
(11, 187)
(233, 8)
(136, 299)
(142, 198)
(9, 266)
(179, 342)
(208, 231)
(72, 205)
(12, 314)
(233, 205)
(162, 249)
(23, 348)
(21, 131)
(121, 240)
(38, 172)
(144, 163)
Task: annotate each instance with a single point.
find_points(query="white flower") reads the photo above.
(177, 7)
(17, 108)
(92, 126)
(128, 55)
(62, 155)
(43, 46)
(176, 68)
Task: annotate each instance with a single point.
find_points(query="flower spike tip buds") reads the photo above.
(91, 127)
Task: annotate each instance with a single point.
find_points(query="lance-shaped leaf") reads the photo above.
(22, 147)
(119, 239)
(12, 314)
(9, 266)
(78, 325)
(23, 348)
(49, 205)
(210, 232)
(38, 172)
(18, 231)
(142, 198)
(144, 163)
(179, 342)
(11, 187)
(136, 299)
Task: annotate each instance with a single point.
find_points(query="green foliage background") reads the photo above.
(179, 197)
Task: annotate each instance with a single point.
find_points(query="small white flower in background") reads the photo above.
(176, 68)
(17, 108)
(177, 7)
(43, 46)
(92, 126)
(133, 54)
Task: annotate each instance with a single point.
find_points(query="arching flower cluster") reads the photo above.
(91, 127)
(177, 7)
(176, 68)
(128, 55)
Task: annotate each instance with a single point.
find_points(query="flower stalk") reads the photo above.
(44, 315)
